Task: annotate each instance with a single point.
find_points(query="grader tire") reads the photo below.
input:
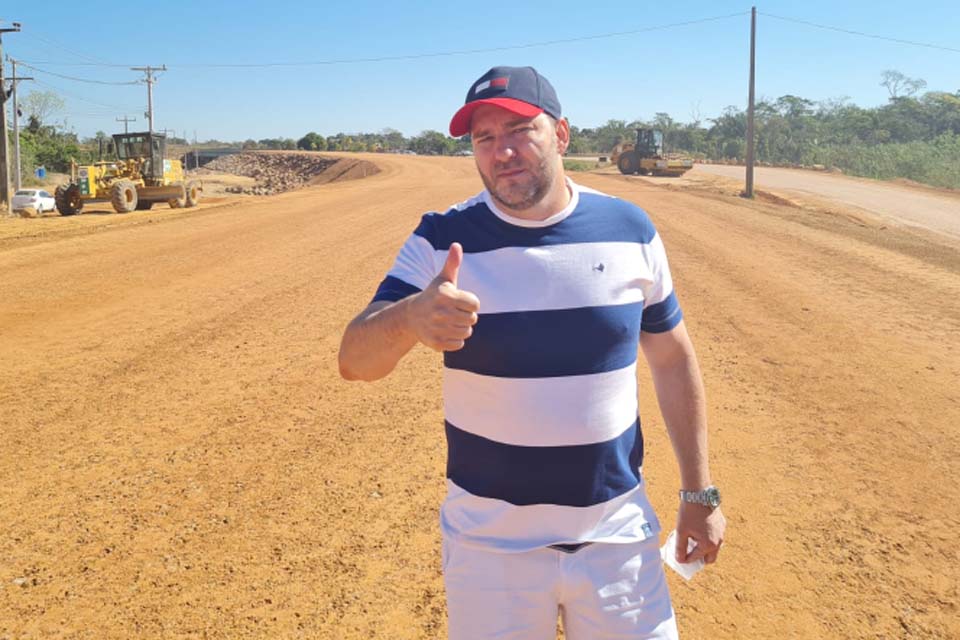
(123, 197)
(68, 199)
(179, 202)
(193, 193)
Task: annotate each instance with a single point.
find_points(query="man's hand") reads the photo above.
(703, 525)
(442, 315)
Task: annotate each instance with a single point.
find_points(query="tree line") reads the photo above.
(914, 135)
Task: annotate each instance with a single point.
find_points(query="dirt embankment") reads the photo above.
(279, 172)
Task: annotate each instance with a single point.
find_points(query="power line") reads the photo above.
(75, 79)
(51, 43)
(862, 34)
(531, 45)
(418, 56)
(112, 107)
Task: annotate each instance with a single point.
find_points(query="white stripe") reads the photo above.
(557, 276)
(566, 276)
(545, 412)
(494, 524)
(415, 262)
(466, 204)
(661, 284)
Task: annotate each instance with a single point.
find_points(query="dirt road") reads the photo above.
(925, 208)
(179, 457)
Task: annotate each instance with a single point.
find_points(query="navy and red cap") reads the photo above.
(520, 90)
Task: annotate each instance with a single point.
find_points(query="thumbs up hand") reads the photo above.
(442, 315)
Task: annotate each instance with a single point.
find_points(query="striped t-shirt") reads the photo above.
(543, 435)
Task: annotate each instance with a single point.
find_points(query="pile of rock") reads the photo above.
(274, 173)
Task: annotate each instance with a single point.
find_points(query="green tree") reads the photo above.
(392, 140)
(433, 143)
(312, 142)
(612, 133)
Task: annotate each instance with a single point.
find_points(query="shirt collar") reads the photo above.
(554, 219)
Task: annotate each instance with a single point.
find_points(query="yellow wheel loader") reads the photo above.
(647, 158)
(139, 177)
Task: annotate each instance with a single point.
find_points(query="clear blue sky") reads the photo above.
(699, 68)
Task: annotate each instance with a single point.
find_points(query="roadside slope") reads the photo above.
(925, 207)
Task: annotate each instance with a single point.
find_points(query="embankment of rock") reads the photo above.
(279, 172)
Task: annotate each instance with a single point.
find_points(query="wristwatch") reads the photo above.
(709, 497)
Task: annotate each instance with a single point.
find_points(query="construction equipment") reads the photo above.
(646, 157)
(139, 177)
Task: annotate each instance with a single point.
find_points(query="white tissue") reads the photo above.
(669, 554)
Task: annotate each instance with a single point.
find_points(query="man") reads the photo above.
(536, 291)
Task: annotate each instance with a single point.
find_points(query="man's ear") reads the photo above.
(563, 135)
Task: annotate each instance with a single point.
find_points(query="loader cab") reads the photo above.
(650, 143)
(152, 147)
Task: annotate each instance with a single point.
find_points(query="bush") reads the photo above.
(49, 148)
(578, 165)
(935, 163)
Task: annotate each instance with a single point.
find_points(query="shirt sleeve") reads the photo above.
(661, 310)
(411, 272)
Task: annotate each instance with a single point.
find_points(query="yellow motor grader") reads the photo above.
(139, 177)
(646, 157)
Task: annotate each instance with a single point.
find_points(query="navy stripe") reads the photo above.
(596, 219)
(394, 289)
(663, 316)
(545, 344)
(574, 476)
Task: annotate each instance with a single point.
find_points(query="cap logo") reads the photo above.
(493, 83)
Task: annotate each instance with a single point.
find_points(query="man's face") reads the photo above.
(517, 157)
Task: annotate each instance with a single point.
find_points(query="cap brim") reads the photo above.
(460, 124)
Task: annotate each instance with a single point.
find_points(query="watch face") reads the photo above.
(713, 497)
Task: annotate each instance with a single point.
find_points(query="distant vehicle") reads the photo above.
(36, 199)
(647, 157)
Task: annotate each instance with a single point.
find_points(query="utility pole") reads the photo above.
(748, 192)
(125, 120)
(4, 162)
(16, 126)
(149, 71)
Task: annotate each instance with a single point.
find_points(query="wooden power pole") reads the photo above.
(126, 121)
(16, 126)
(4, 94)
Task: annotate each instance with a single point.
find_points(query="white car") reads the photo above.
(36, 199)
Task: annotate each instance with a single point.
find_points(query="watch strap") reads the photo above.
(701, 497)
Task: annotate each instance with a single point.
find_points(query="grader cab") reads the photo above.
(140, 176)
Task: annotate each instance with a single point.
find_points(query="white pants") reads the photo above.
(603, 591)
